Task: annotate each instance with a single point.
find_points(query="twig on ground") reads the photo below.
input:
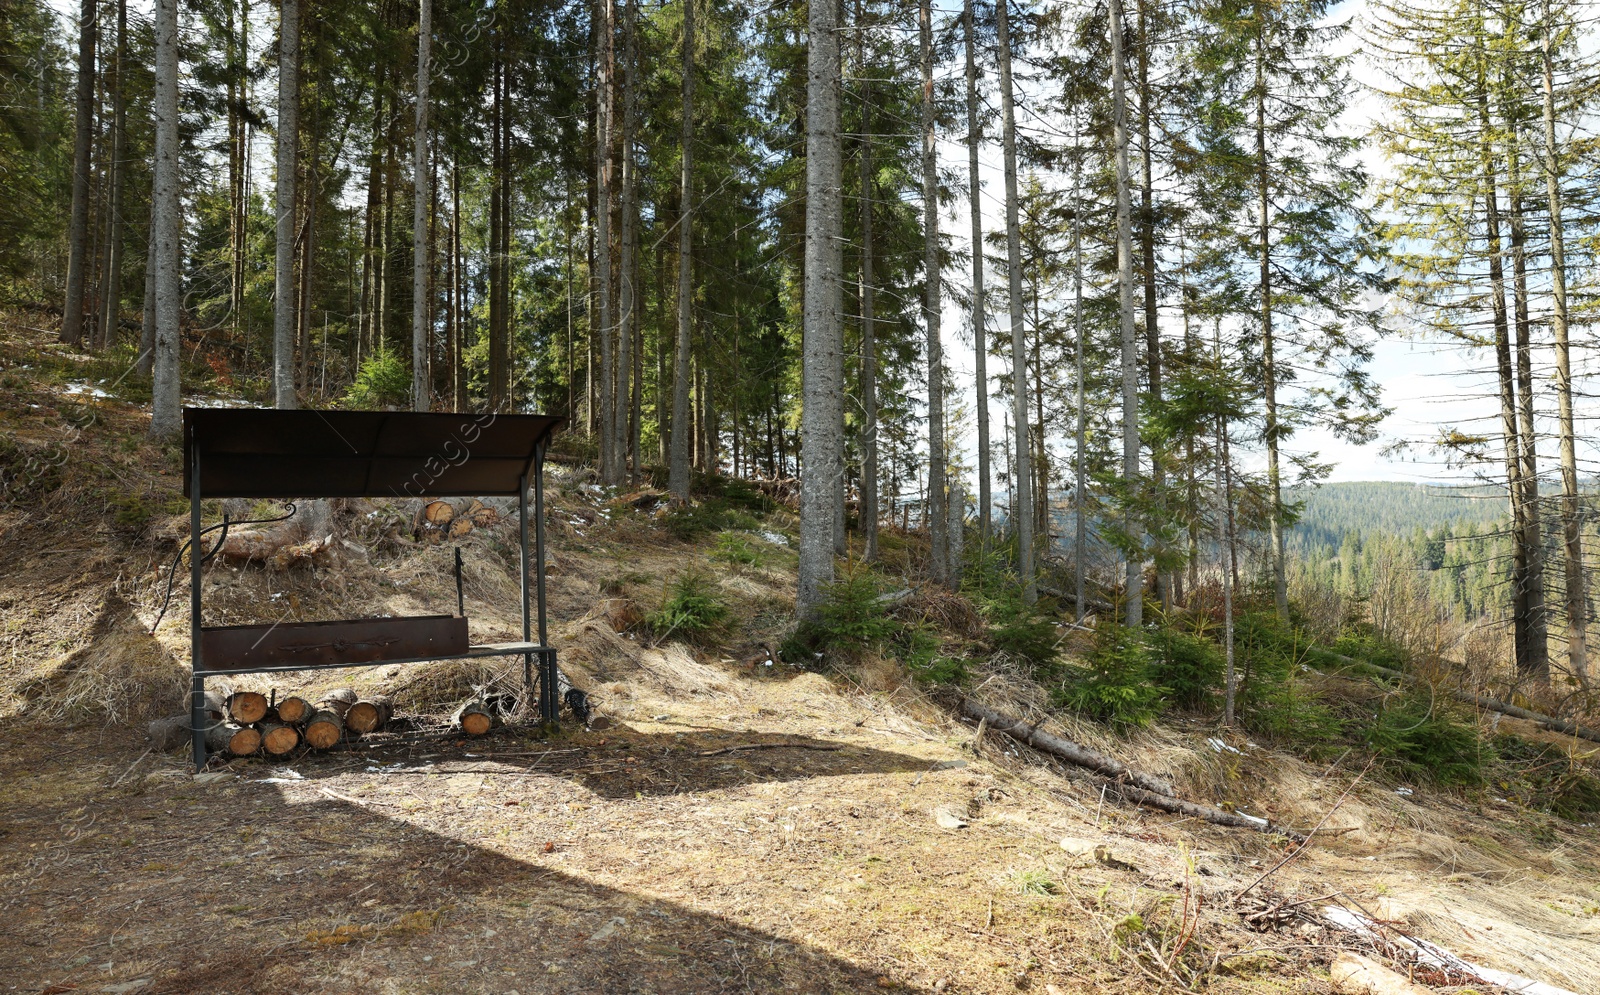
(1297, 851)
(769, 746)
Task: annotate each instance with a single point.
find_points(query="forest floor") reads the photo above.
(734, 827)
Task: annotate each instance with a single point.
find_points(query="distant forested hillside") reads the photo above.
(1375, 508)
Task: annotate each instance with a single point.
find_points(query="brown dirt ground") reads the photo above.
(735, 828)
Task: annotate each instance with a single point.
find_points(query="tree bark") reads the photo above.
(678, 457)
(284, 312)
(627, 291)
(1269, 355)
(938, 515)
(111, 276)
(1577, 593)
(166, 203)
(1080, 537)
(1133, 613)
(606, 329)
(421, 316)
(822, 346)
(980, 346)
(868, 521)
(1147, 252)
(1021, 478)
(1066, 749)
(82, 148)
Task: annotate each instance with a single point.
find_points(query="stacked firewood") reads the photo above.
(246, 723)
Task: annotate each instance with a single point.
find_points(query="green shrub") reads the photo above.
(737, 549)
(1545, 777)
(1371, 648)
(851, 617)
(1425, 742)
(1115, 687)
(691, 608)
(1030, 639)
(1291, 711)
(1190, 668)
(918, 648)
(384, 380)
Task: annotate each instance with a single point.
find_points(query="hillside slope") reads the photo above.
(736, 825)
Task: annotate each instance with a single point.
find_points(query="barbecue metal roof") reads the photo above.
(271, 453)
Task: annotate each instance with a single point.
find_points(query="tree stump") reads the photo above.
(246, 707)
(279, 738)
(369, 714)
(475, 717)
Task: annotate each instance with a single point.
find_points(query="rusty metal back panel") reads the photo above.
(269, 453)
(309, 645)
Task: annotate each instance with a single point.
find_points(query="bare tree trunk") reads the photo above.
(421, 315)
(1147, 251)
(980, 346)
(1133, 614)
(1021, 480)
(165, 414)
(1269, 355)
(147, 323)
(627, 302)
(82, 148)
(606, 330)
(1080, 539)
(822, 347)
(678, 457)
(284, 311)
(1571, 511)
(111, 278)
(938, 516)
(869, 317)
(1538, 621)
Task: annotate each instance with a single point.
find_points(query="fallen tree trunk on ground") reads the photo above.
(1484, 701)
(1066, 749)
(1124, 782)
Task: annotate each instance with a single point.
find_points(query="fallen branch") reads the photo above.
(1066, 749)
(768, 746)
(1126, 783)
(1492, 704)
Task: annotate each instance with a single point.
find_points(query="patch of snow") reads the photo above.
(1219, 746)
(1437, 956)
(776, 538)
(1404, 792)
(80, 388)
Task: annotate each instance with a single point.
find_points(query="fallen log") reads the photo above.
(1066, 749)
(226, 737)
(1483, 701)
(475, 717)
(324, 729)
(279, 738)
(294, 710)
(369, 714)
(1124, 782)
(174, 731)
(247, 707)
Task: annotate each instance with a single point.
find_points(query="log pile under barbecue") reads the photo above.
(247, 723)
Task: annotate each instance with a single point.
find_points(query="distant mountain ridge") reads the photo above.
(1393, 508)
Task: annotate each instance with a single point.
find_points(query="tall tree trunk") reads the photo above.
(284, 311)
(1538, 622)
(1147, 251)
(1134, 612)
(606, 96)
(868, 295)
(1577, 599)
(938, 516)
(1269, 354)
(238, 170)
(627, 296)
(82, 148)
(166, 202)
(421, 316)
(822, 347)
(308, 252)
(458, 400)
(980, 345)
(1504, 372)
(1080, 538)
(1021, 482)
(111, 278)
(147, 323)
(678, 458)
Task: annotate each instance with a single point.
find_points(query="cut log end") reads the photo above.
(368, 714)
(279, 739)
(475, 717)
(240, 741)
(294, 710)
(324, 730)
(246, 707)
